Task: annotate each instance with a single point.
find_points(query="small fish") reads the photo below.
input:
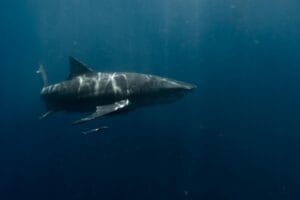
(95, 130)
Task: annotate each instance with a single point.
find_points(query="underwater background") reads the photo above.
(236, 137)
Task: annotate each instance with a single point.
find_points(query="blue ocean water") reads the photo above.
(236, 137)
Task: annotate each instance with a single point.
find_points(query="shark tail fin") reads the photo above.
(42, 71)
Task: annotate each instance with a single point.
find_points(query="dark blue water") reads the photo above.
(237, 137)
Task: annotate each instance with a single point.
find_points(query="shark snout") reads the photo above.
(186, 86)
(189, 86)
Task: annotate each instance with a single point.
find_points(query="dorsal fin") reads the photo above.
(77, 68)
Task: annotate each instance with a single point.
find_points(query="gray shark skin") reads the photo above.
(86, 90)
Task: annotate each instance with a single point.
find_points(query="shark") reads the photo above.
(105, 93)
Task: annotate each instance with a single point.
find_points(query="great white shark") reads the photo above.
(100, 93)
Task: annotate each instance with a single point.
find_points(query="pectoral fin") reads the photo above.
(104, 110)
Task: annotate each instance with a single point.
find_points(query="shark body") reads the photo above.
(99, 93)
